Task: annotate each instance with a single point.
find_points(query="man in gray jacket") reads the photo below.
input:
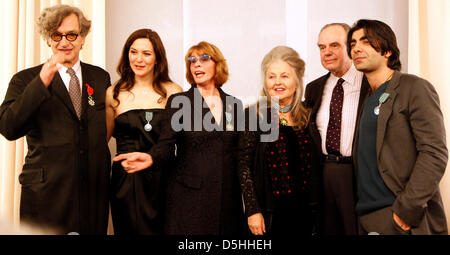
(401, 151)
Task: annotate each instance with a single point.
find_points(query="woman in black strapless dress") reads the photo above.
(134, 106)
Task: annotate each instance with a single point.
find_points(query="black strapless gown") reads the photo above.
(137, 200)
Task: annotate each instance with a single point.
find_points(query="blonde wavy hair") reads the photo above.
(300, 114)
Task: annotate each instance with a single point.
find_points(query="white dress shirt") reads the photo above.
(352, 88)
(66, 77)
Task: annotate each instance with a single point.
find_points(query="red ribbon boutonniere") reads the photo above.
(90, 92)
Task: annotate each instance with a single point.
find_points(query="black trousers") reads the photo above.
(339, 216)
(292, 217)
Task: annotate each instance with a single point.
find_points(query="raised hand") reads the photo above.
(50, 68)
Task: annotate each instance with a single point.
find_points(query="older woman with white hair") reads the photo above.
(279, 178)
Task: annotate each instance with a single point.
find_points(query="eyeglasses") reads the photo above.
(203, 58)
(58, 37)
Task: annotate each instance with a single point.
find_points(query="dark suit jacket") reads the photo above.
(412, 153)
(203, 194)
(313, 100)
(65, 177)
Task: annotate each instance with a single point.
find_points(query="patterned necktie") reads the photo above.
(333, 140)
(75, 91)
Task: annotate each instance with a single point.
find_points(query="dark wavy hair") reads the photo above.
(160, 71)
(381, 38)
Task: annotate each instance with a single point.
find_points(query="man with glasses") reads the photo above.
(60, 107)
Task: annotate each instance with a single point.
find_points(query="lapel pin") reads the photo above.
(90, 92)
(381, 101)
(228, 117)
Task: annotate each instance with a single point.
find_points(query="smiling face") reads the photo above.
(280, 82)
(365, 58)
(142, 57)
(69, 50)
(333, 50)
(203, 72)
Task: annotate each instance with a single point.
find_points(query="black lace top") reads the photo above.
(283, 167)
(288, 163)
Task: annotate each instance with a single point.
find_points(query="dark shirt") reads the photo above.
(288, 162)
(373, 193)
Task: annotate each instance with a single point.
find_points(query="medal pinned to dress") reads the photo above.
(148, 117)
(228, 117)
(381, 101)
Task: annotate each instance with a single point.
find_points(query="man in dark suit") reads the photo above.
(335, 100)
(65, 177)
(400, 146)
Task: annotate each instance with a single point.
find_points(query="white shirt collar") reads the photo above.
(76, 67)
(66, 77)
(349, 77)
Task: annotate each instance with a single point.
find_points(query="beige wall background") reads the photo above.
(244, 35)
(429, 51)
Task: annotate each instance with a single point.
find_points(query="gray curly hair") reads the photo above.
(52, 17)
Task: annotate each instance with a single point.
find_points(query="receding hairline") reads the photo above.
(332, 25)
(344, 26)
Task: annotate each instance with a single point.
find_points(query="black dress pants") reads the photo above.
(339, 199)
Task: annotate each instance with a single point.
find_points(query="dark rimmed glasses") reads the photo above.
(69, 37)
(203, 58)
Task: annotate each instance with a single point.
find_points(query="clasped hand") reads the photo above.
(134, 161)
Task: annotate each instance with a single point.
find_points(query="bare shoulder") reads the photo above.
(172, 88)
(110, 95)
(110, 92)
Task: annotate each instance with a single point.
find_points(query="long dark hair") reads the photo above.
(381, 38)
(160, 71)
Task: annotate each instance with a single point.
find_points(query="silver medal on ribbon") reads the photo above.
(381, 101)
(376, 110)
(228, 117)
(148, 117)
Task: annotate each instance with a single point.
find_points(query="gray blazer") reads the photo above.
(412, 153)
